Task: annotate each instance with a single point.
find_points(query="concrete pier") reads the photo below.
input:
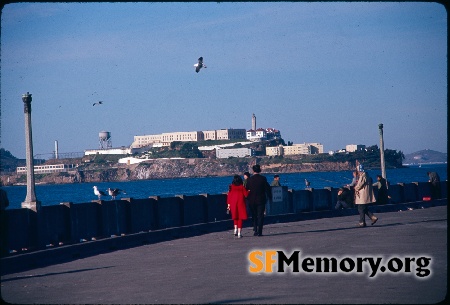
(213, 267)
(73, 223)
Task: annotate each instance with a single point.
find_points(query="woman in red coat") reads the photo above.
(236, 204)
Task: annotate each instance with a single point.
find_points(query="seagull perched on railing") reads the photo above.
(114, 192)
(307, 183)
(199, 65)
(98, 192)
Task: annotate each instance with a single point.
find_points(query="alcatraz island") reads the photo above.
(185, 159)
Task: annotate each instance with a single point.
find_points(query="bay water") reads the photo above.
(51, 194)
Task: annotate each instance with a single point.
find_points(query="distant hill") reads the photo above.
(8, 162)
(425, 156)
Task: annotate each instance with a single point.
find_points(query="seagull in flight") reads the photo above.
(98, 103)
(114, 192)
(199, 65)
(98, 192)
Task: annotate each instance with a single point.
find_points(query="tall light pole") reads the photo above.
(383, 166)
(30, 201)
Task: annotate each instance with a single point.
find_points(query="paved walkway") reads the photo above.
(214, 268)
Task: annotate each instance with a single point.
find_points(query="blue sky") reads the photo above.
(318, 72)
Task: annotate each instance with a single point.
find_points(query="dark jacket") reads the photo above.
(345, 196)
(382, 196)
(260, 190)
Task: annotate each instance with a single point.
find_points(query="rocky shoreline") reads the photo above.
(166, 169)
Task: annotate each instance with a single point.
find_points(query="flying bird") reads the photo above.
(199, 65)
(98, 103)
(114, 192)
(98, 193)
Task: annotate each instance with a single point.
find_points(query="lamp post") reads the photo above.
(30, 200)
(383, 166)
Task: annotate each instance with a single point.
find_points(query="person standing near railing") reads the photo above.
(435, 185)
(382, 196)
(276, 181)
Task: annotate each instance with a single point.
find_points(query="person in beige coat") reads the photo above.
(364, 196)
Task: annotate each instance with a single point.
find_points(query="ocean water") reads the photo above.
(51, 194)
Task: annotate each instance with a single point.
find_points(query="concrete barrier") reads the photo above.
(423, 189)
(37, 259)
(321, 199)
(75, 223)
(169, 212)
(280, 201)
(333, 196)
(290, 201)
(22, 233)
(396, 192)
(216, 207)
(302, 201)
(444, 189)
(53, 224)
(142, 214)
(194, 209)
(410, 192)
(85, 221)
(113, 218)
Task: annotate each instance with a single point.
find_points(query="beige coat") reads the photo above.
(364, 190)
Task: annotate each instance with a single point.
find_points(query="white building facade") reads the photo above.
(141, 141)
(234, 152)
(189, 136)
(275, 151)
(45, 169)
(165, 139)
(295, 149)
(256, 135)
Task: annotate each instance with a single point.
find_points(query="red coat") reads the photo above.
(236, 200)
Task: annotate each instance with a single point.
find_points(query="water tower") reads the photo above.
(104, 139)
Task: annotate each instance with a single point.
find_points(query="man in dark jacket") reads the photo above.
(260, 191)
(435, 185)
(382, 196)
(344, 199)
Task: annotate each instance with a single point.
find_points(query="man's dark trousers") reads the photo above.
(257, 217)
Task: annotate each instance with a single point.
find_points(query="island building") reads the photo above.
(164, 139)
(45, 169)
(295, 149)
(143, 143)
(354, 147)
(234, 152)
(261, 134)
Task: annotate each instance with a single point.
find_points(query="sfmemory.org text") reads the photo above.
(276, 261)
